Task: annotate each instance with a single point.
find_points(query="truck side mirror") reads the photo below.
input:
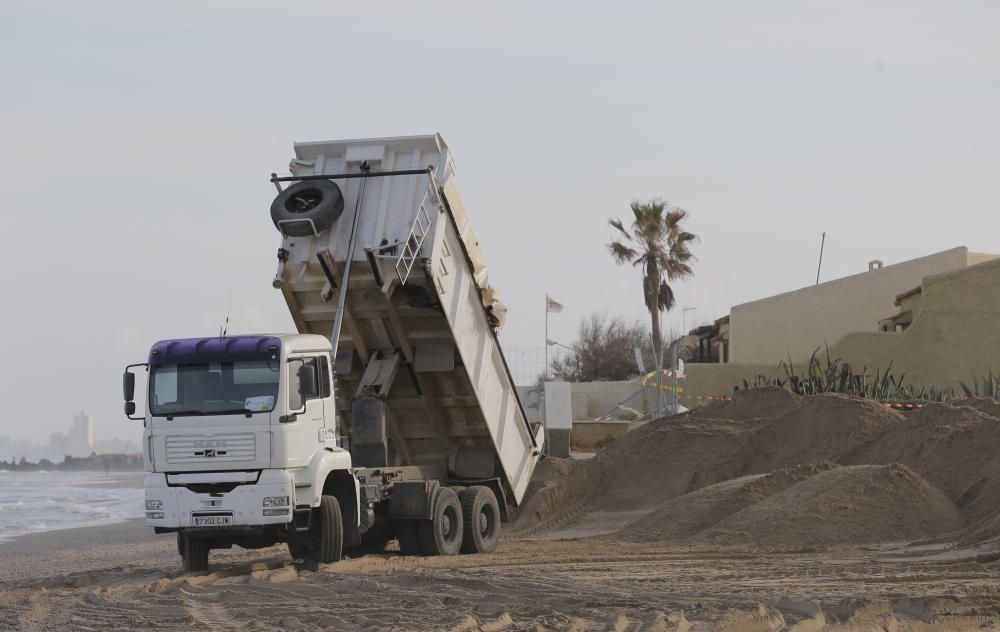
(307, 382)
(128, 386)
(128, 389)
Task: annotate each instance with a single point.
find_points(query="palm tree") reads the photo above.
(658, 243)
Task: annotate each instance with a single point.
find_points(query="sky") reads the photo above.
(136, 140)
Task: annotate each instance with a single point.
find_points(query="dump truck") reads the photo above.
(391, 412)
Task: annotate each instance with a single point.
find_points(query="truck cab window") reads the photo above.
(324, 378)
(213, 388)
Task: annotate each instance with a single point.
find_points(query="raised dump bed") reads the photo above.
(420, 377)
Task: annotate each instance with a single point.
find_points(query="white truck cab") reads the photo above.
(240, 436)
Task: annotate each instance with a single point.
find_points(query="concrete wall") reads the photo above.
(592, 400)
(955, 337)
(796, 323)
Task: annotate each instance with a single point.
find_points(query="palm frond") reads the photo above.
(622, 253)
(617, 223)
(666, 297)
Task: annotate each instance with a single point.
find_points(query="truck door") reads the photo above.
(308, 386)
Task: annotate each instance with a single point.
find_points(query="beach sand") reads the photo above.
(768, 513)
(122, 577)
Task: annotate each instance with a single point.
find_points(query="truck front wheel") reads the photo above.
(442, 534)
(482, 520)
(327, 531)
(195, 554)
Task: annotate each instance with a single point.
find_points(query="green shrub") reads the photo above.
(837, 376)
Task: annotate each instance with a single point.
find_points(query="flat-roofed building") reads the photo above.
(794, 324)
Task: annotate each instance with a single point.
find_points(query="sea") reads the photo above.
(43, 501)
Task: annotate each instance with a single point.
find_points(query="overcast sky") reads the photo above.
(136, 139)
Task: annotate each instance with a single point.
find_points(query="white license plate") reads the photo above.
(213, 521)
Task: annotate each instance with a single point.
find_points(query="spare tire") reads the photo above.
(307, 208)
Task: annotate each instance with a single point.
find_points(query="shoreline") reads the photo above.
(43, 554)
(115, 480)
(16, 531)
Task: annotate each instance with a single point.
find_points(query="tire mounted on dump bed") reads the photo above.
(307, 205)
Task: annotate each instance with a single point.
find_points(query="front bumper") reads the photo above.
(245, 502)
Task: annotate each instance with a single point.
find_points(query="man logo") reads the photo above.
(209, 452)
(217, 443)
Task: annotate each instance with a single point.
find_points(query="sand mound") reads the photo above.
(690, 514)
(821, 428)
(764, 470)
(953, 447)
(847, 505)
(766, 401)
(986, 405)
(666, 458)
(650, 464)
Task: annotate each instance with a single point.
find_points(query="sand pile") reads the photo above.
(956, 448)
(647, 466)
(820, 428)
(847, 505)
(690, 514)
(986, 405)
(766, 401)
(664, 459)
(762, 470)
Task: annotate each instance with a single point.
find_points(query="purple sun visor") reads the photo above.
(201, 350)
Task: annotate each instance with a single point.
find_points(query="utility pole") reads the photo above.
(820, 266)
(673, 373)
(684, 313)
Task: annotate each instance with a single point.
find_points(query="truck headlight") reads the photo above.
(154, 515)
(276, 512)
(154, 504)
(276, 501)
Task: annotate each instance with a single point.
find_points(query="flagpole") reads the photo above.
(545, 373)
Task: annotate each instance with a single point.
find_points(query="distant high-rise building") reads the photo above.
(80, 441)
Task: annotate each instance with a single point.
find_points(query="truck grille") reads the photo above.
(211, 449)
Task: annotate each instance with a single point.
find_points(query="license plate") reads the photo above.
(213, 521)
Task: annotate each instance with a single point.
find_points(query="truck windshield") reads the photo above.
(213, 388)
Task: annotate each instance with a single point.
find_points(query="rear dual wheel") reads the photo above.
(481, 514)
(467, 522)
(442, 534)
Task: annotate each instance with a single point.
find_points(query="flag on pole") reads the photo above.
(552, 305)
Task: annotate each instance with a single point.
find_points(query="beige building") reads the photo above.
(795, 324)
(943, 331)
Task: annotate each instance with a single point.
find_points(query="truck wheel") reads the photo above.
(442, 534)
(482, 520)
(327, 530)
(195, 554)
(305, 205)
(409, 540)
